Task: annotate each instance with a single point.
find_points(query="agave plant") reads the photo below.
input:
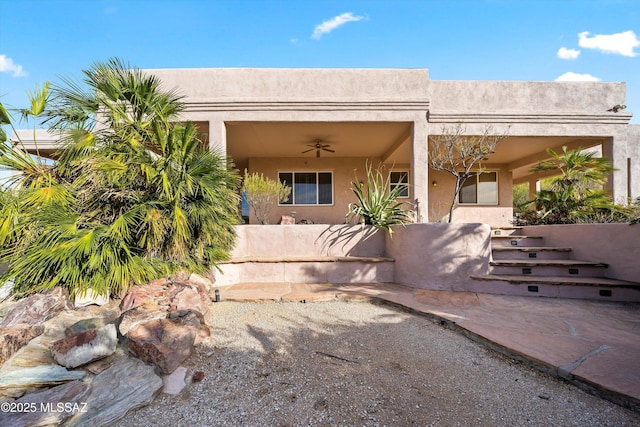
(134, 195)
(377, 201)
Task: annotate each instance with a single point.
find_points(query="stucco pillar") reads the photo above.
(534, 185)
(633, 152)
(218, 136)
(420, 167)
(616, 150)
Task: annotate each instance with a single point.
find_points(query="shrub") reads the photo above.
(263, 193)
(377, 205)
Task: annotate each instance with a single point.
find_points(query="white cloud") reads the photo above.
(565, 53)
(7, 66)
(333, 23)
(575, 77)
(619, 43)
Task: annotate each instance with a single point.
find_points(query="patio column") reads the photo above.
(615, 149)
(218, 136)
(419, 168)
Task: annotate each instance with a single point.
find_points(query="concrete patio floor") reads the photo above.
(592, 344)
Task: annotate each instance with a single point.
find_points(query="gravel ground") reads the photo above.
(364, 364)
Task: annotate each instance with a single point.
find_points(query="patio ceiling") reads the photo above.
(390, 141)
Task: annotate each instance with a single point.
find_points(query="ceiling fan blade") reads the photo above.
(329, 150)
(310, 149)
(318, 153)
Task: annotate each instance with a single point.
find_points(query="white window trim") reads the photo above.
(391, 183)
(497, 202)
(333, 193)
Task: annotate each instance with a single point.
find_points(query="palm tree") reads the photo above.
(144, 199)
(577, 190)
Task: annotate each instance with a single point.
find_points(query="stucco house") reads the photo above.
(271, 120)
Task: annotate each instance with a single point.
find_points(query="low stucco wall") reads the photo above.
(439, 256)
(308, 241)
(615, 244)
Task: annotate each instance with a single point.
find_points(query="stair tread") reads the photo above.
(532, 248)
(560, 280)
(514, 236)
(287, 259)
(546, 262)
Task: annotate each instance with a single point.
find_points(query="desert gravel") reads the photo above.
(350, 363)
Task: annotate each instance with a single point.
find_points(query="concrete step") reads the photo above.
(550, 267)
(594, 288)
(326, 269)
(530, 253)
(501, 241)
(506, 231)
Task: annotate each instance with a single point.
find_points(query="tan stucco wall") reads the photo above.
(343, 175)
(615, 244)
(255, 241)
(439, 256)
(440, 197)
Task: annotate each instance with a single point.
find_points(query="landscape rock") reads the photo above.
(38, 376)
(195, 319)
(38, 308)
(15, 337)
(84, 347)
(90, 297)
(6, 290)
(189, 296)
(25, 320)
(201, 280)
(68, 397)
(141, 314)
(174, 382)
(126, 385)
(165, 343)
(139, 295)
(85, 324)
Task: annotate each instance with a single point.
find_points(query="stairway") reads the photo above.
(522, 265)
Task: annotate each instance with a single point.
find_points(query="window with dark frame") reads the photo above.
(399, 178)
(480, 190)
(308, 188)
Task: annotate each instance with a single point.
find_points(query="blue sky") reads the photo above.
(541, 40)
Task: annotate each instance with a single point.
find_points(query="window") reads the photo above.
(400, 178)
(480, 190)
(308, 188)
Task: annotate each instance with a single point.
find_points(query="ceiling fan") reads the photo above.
(319, 146)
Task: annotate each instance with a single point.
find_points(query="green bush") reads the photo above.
(262, 194)
(376, 204)
(134, 194)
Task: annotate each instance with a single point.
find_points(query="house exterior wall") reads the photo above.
(578, 109)
(543, 110)
(499, 215)
(344, 172)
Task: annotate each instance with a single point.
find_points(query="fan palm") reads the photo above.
(145, 197)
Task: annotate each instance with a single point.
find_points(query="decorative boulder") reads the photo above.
(85, 347)
(26, 319)
(165, 343)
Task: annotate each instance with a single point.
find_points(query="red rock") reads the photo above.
(189, 296)
(38, 308)
(165, 343)
(198, 376)
(141, 314)
(26, 319)
(15, 337)
(85, 347)
(139, 295)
